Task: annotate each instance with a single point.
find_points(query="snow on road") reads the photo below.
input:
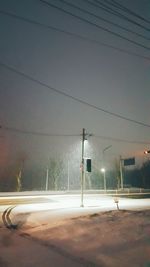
(94, 236)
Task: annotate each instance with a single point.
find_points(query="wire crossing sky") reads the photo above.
(72, 97)
(68, 65)
(96, 25)
(72, 34)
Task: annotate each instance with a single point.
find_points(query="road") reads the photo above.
(66, 205)
(28, 213)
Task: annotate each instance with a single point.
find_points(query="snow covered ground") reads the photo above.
(72, 236)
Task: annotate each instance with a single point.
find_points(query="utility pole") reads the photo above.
(82, 167)
(47, 178)
(121, 173)
(104, 177)
(105, 180)
(68, 182)
(84, 137)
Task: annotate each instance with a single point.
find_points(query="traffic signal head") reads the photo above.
(88, 165)
(146, 151)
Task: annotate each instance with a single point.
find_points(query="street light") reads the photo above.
(47, 178)
(103, 171)
(106, 148)
(68, 180)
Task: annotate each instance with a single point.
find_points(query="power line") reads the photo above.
(44, 134)
(110, 10)
(21, 131)
(95, 25)
(71, 34)
(127, 10)
(103, 19)
(12, 69)
(121, 140)
(106, 8)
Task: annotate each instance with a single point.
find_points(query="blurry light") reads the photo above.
(103, 170)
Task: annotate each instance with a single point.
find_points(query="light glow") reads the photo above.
(103, 170)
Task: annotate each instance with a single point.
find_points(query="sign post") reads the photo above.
(121, 173)
(126, 162)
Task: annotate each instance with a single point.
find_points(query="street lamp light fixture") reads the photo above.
(103, 170)
(106, 148)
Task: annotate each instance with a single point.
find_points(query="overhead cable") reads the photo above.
(122, 140)
(95, 25)
(79, 100)
(127, 10)
(71, 34)
(22, 131)
(103, 19)
(105, 7)
(46, 134)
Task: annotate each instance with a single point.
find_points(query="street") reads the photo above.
(38, 207)
(53, 229)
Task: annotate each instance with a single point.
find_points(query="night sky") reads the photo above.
(56, 80)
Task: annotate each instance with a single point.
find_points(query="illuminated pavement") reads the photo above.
(33, 214)
(56, 201)
(72, 200)
(67, 205)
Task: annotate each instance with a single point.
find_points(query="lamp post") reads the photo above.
(121, 172)
(68, 182)
(103, 170)
(47, 178)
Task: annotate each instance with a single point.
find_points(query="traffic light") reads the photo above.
(146, 151)
(88, 165)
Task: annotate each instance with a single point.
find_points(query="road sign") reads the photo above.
(129, 161)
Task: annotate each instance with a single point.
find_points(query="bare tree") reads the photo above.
(22, 157)
(116, 165)
(56, 172)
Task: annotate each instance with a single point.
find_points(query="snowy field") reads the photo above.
(67, 237)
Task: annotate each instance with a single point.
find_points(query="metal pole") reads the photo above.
(106, 148)
(47, 174)
(121, 173)
(104, 181)
(82, 168)
(68, 186)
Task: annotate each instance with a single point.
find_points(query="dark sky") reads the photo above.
(107, 78)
